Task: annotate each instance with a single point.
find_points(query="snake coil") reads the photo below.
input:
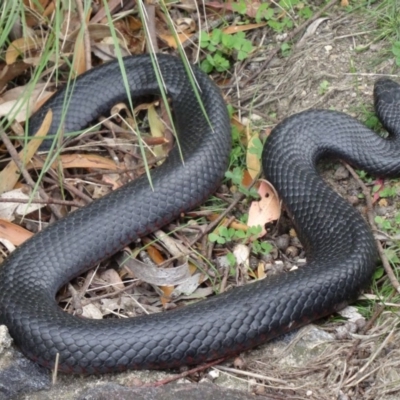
(340, 248)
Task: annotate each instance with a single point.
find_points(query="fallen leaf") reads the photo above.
(158, 276)
(252, 160)
(242, 28)
(310, 31)
(187, 287)
(13, 233)
(267, 209)
(261, 270)
(153, 252)
(111, 277)
(157, 130)
(14, 106)
(19, 46)
(77, 161)
(171, 41)
(9, 72)
(167, 293)
(92, 312)
(9, 209)
(242, 254)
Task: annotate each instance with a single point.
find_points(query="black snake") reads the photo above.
(340, 247)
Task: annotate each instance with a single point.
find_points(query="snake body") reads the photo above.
(341, 249)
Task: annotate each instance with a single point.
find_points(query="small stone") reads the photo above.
(341, 173)
(282, 242)
(292, 251)
(353, 200)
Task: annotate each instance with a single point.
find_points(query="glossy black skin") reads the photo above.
(341, 249)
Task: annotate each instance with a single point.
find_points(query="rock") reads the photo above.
(18, 375)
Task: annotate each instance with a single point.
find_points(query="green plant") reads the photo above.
(221, 48)
(224, 235)
(323, 87)
(261, 247)
(388, 191)
(236, 176)
(396, 52)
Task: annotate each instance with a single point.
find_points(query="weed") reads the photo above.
(224, 235)
(323, 87)
(222, 48)
(396, 52)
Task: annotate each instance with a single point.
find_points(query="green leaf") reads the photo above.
(275, 25)
(204, 40)
(231, 259)
(236, 175)
(239, 234)
(213, 237)
(264, 13)
(221, 64)
(221, 240)
(206, 66)
(240, 7)
(227, 41)
(378, 273)
(396, 49)
(216, 36)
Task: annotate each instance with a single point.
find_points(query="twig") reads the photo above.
(368, 199)
(382, 255)
(183, 374)
(34, 201)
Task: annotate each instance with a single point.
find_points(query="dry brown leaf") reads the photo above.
(267, 209)
(19, 46)
(185, 25)
(12, 99)
(157, 130)
(10, 174)
(79, 59)
(170, 39)
(247, 179)
(154, 253)
(111, 277)
(113, 180)
(166, 296)
(77, 161)
(252, 161)
(9, 72)
(14, 233)
(242, 28)
(37, 7)
(261, 270)
(8, 209)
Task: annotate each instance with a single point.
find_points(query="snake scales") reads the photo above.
(340, 248)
